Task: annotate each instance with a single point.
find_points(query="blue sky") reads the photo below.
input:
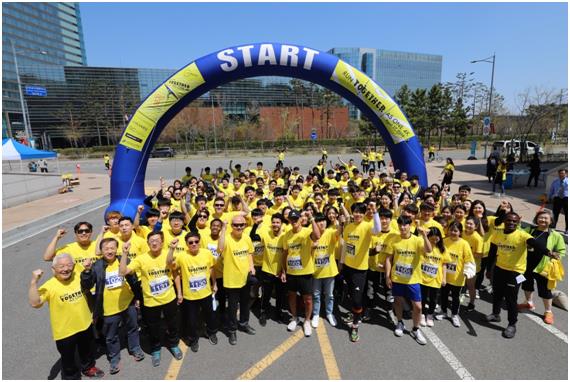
(530, 39)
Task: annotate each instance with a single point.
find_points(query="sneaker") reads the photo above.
(233, 338)
(213, 338)
(155, 358)
(307, 328)
(331, 319)
(348, 318)
(176, 352)
(510, 331)
(292, 325)
(490, 289)
(366, 316)
(315, 321)
(195, 346)
(493, 318)
(548, 318)
(422, 320)
(400, 327)
(390, 299)
(526, 306)
(138, 356)
(354, 337)
(262, 319)
(246, 329)
(455, 320)
(114, 369)
(429, 320)
(93, 372)
(470, 307)
(418, 336)
(477, 294)
(441, 316)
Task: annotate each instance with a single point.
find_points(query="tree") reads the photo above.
(417, 111)
(72, 125)
(403, 98)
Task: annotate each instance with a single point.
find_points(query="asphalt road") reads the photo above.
(475, 350)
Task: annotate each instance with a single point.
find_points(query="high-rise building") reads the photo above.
(35, 35)
(392, 69)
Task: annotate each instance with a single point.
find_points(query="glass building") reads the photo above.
(38, 34)
(392, 69)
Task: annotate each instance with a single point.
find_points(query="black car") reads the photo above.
(163, 152)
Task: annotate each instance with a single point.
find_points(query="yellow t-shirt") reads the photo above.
(357, 239)
(489, 233)
(407, 259)
(142, 231)
(432, 223)
(476, 243)
(300, 259)
(111, 234)
(459, 253)
(68, 310)
(325, 264)
(273, 252)
(156, 278)
(236, 260)
(79, 254)
(432, 267)
(181, 247)
(195, 274)
(379, 156)
(511, 250)
(138, 246)
(212, 245)
(377, 261)
(449, 168)
(117, 294)
(281, 156)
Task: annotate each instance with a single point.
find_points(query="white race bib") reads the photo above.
(430, 269)
(159, 285)
(214, 249)
(294, 263)
(403, 270)
(322, 261)
(113, 280)
(197, 283)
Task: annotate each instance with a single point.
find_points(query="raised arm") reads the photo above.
(34, 298)
(49, 253)
(123, 269)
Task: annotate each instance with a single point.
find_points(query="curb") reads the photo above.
(42, 224)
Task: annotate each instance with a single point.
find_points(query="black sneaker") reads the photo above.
(493, 318)
(510, 331)
(194, 346)
(246, 329)
(470, 307)
(213, 338)
(233, 338)
(262, 319)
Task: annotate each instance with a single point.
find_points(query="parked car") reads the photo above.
(514, 146)
(163, 152)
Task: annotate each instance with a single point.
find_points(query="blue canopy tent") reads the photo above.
(13, 150)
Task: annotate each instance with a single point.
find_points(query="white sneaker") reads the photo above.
(292, 325)
(419, 337)
(455, 320)
(477, 294)
(307, 328)
(331, 319)
(422, 320)
(399, 331)
(441, 316)
(315, 321)
(429, 320)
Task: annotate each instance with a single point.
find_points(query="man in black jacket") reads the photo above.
(114, 302)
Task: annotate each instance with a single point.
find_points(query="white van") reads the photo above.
(514, 145)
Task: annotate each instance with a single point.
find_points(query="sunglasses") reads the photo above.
(193, 242)
(239, 225)
(203, 216)
(80, 231)
(218, 205)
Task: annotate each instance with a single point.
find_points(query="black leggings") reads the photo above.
(372, 288)
(235, 296)
(541, 283)
(355, 280)
(83, 342)
(445, 291)
(505, 286)
(429, 298)
(153, 317)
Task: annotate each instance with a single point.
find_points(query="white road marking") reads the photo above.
(550, 328)
(449, 357)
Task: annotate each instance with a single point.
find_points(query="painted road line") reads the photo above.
(449, 357)
(327, 351)
(550, 328)
(266, 361)
(175, 365)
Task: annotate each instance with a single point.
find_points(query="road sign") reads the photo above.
(314, 135)
(486, 126)
(37, 91)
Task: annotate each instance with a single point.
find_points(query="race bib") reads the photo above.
(197, 283)
(350, 249)
(404, 270)
(214, 249)
(258, 249)
(430, 269)
(452, 268)
(159, 285)
(113, 280)
(294, 263)
(322, 261)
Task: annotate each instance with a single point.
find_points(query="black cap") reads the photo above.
(294, 215)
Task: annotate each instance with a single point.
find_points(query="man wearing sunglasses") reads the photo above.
(82, 248)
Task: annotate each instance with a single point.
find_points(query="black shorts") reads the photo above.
(300, 283)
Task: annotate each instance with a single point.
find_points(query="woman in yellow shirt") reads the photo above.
(500, 176)
(447, 172)
(475, 241)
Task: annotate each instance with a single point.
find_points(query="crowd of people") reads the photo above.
(279, 243)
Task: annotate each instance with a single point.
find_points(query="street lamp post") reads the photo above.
(27, 130)
(490, 60)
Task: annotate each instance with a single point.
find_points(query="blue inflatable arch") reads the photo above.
(260, 59)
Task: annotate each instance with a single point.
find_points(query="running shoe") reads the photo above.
(418, 336)
(213, 338)
(455, 320)
(232, 338)
(114, 368)
(195, 346)
(493, 318)
(331, 319)
(307, 330)
(510, 331)
(155, 358)
(292, 325)
(176, 352)
(315, 321)
(441, 316)
(93, 372)
(526, 306)
(477, 294)
(354, 337)
(246, 329)
(429, 320)
(548, 318)
(262, 319)
(400, 327)
(422, 320)
(470, 307)
(138, 356)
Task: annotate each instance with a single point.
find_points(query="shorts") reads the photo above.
(300, 283)
(411, 291)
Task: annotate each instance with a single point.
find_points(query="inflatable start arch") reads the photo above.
(262, 59)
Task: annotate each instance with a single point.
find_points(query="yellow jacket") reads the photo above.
(554, 271)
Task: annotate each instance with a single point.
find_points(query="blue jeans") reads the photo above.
(325, 286)
(111, 331)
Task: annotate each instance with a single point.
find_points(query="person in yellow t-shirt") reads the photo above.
(112, 220)
(325, 268)
(82, 248)
(237, 250)
(158, 292)
(354, 260)
(298, 266)
(403, 265)
(70, 316)
(198, 282)
(138, 244)
(210, 242)
(114, 302)
(447, 172)
(426, 221)
(152, 216)
(460, 255)
(476, 243)
(509, 249)
(380, 159)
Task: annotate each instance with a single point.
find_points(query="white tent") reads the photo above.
(13, 150)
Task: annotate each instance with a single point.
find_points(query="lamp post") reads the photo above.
(490, 60)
